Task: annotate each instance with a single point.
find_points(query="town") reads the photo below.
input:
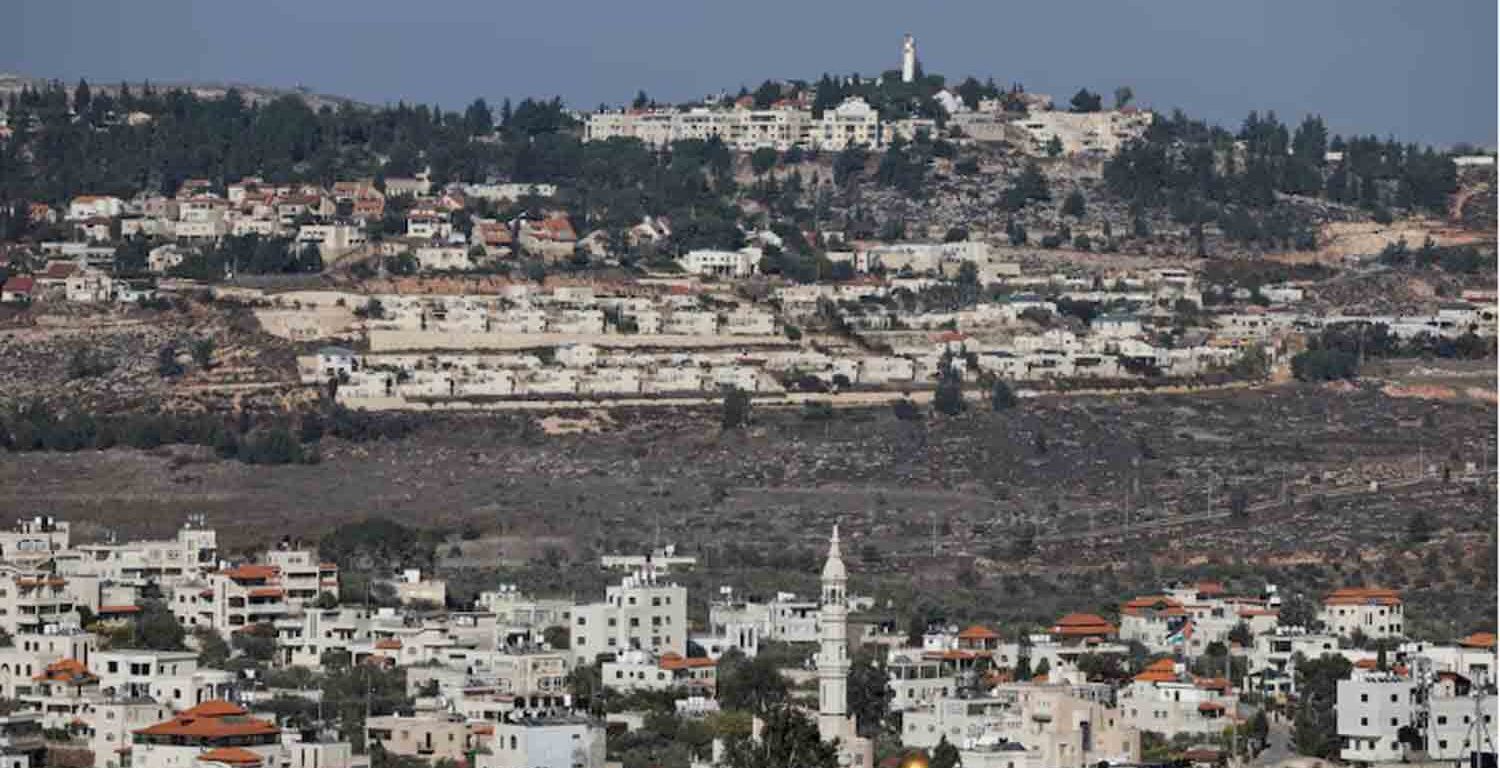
(863, 420)
(163, 653)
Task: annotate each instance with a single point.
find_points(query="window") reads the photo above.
(1364, 697)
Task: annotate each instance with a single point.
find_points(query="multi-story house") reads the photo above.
(170, 677)
(430, 737)
(1027, 725)
(304, 577)
(1164, 699)
(545, 741)
(643, 671)
(212, 732)
(1370, 611)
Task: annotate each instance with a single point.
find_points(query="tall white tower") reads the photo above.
(833, 653)
(908, 59)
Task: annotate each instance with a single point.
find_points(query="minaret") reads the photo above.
(908, 59)
(833, 654)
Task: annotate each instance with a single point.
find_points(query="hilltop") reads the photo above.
(12, 84)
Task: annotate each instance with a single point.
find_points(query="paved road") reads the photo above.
(1278, 746)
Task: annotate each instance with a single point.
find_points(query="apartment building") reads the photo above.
(642, 612)
(190, 555)
(852, 123)
(33, 541)
(35, 601)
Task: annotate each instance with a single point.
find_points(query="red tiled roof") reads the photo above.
(1159, 671)
(214, 719)
(1213, 684)
(1159, 604)
(231, 755)
(214, 708)
(266, 592)
(70, 671)
(114, 609)
(1363, 596)
(1479, 640)
(388, 644)
(1210, 706)
(23, 284)
(1082, 625)
(675, 661)
(251, 572)
(57, 270)
(1209, 588)
(978, 632)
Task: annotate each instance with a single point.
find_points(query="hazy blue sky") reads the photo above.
(1418, 69)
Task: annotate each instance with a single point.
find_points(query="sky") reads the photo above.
(1416, 70)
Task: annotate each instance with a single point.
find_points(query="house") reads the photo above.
(88, 286)
(212, 732)
(551, 238)
(397, 186)
(642, 671)
(18, 290)
(1157, 621)
(1083, 628)
(95, 207)
(331, 240)
(163, 258)
(546, 741)
(1163, 698)
(429, 737)
(96, 230)
(1371, 611)
(439, 257)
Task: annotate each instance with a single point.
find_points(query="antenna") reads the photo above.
(1478, 735)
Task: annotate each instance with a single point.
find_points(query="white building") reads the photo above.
(742, 263)
(1097, 133)
(332, 240)
(546, 741)
(642, 612)
(1371, 611)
